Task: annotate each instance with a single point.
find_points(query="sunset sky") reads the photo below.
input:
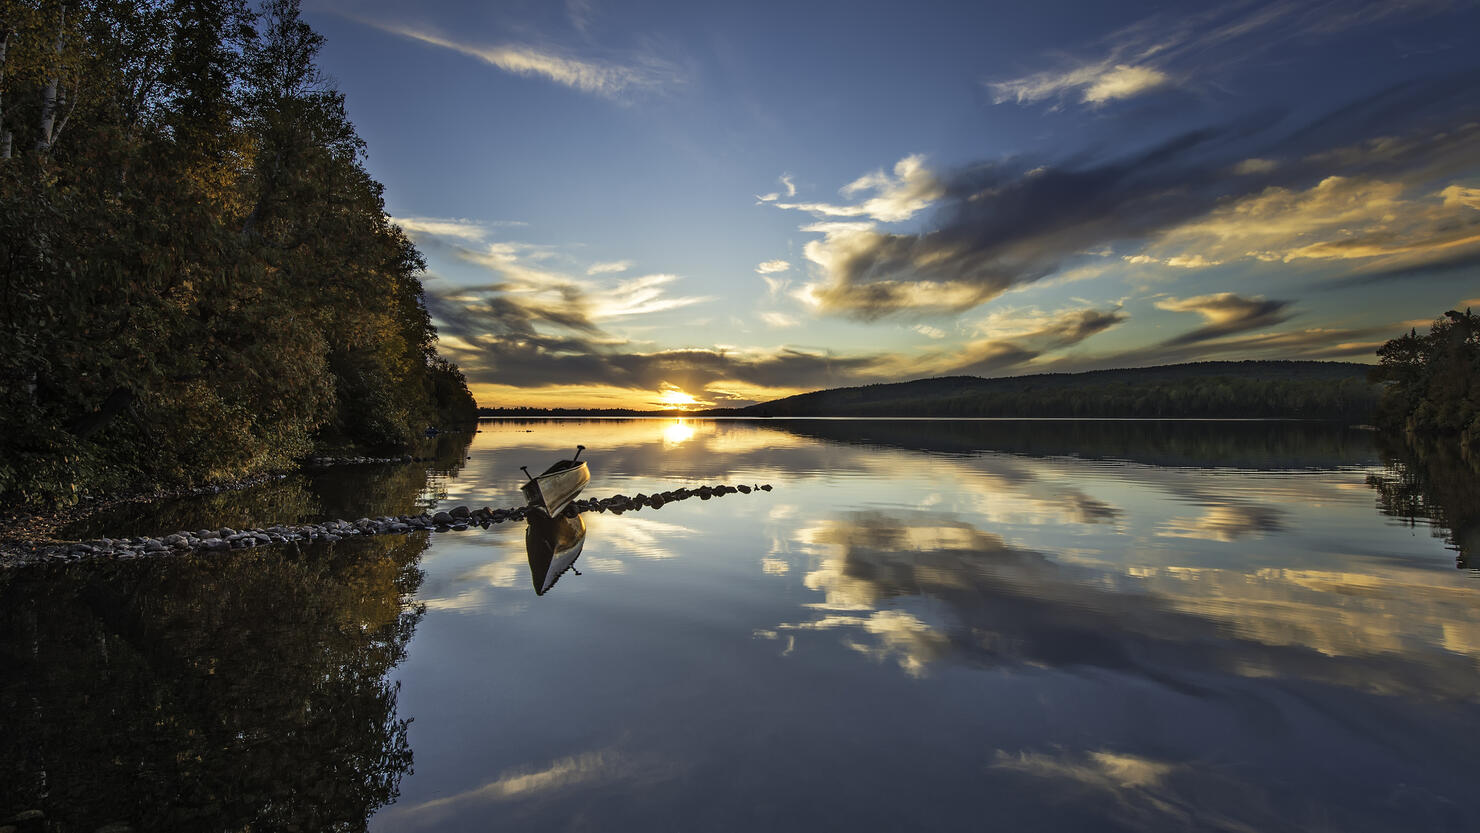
(656, 203)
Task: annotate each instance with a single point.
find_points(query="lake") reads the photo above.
(923, 625)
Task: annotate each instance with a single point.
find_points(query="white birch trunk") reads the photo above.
(49, 97)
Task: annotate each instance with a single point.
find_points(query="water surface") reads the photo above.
(925, 625)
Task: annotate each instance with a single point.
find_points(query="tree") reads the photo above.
(1432, 381)
(198, 279)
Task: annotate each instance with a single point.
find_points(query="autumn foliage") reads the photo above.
(198, 278)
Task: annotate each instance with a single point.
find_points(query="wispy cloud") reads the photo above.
(1095, 83)
(1158, 52)
(1226, 314)
(609, 79)
(1031, 335)
(609, 267)
(1352, 218)
(771, 267)
(639, 296)
(461, 229)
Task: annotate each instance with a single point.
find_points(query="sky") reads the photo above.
(647, 204)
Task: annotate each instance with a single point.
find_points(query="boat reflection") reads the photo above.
(553, 546)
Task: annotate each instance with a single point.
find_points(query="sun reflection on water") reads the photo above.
(677, 432)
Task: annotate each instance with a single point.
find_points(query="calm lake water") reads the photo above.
(925, 625)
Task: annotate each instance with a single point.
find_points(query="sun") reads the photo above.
(672, 397)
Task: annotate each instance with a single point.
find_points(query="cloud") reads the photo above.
(1226, 314)
(780, 319)
(995, 354)
(1339, 218)
(609, 267)
(910, 189)
(461, 229)
(551, 337)
(775, 286)
(580, 13)
(929, 331)
(1155, 52)
(1004, 223)
(771, 267)
(638, 296)
(1103, 769)
(604, 78)
(1312, 343)
(1097, 83)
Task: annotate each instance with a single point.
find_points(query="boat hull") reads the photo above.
(552, 491)
(553, 547)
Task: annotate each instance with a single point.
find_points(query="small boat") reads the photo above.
(553, 490)
(553, 547)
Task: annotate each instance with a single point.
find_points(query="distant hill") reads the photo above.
(1250, 389)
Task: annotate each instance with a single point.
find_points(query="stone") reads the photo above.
(442, 518)
(460, 512)
(766, 487)
(744, 489)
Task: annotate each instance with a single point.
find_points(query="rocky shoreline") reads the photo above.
(454, 520)
(24, 532)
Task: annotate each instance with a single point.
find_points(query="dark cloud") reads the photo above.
(1016, 221)
(993, 356)
(1227, 314)
(1309, 344)
(505, 347)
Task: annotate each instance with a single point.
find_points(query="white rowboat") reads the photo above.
(553, 490)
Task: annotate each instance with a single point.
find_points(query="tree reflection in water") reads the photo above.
(209, 693)
(239, 691)
(1433, 482)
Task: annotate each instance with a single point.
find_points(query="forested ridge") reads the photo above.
(198, 278)
(1273, 389)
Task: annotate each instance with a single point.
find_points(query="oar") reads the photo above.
(525, 469)
(579, 449)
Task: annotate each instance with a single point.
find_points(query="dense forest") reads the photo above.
(1432, 381)
(198, 278)
(1253, 389)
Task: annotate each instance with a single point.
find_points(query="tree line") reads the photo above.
(1431, 382)
(198, 278)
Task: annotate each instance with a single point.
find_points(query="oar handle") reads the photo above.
(579, 449)
(525, 469)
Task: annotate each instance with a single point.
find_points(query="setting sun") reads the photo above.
(675, 398)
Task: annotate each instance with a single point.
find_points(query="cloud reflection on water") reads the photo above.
(1375, 626)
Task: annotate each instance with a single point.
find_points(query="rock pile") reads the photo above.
(453, 520)
(324, 461)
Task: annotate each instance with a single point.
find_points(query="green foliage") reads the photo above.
(1432, 381)
(198, 279)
